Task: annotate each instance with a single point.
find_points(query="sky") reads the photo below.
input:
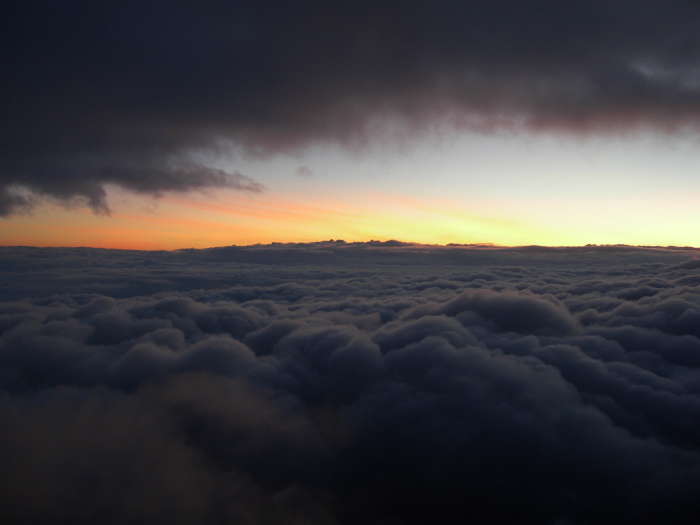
(167, 125)
(350, 262)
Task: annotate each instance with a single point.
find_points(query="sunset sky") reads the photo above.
(173, 124)
(350, 262)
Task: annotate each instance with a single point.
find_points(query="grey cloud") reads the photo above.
(182, 450)
(115, 93)
(304, 171)
(514, 311)
(510, 386)
(73, 184)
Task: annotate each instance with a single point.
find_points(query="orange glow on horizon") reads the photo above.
(230, 218)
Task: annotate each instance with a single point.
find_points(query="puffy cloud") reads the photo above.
(193, 448)
(512, 311)
(547, 391)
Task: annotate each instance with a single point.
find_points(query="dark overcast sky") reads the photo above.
(122, 92)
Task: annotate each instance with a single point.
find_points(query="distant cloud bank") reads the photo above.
(340, 383)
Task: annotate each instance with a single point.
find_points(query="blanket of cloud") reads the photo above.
(124, 93)
(350, 383)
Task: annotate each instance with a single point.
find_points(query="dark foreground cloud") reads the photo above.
(126, 92)
(533, 386)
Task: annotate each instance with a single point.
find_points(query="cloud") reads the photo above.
(74, 184)
(305, 172)
(513, 311)
(147, 457)
(526, 385)
(130, 94)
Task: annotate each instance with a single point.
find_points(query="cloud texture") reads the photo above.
(138, 95)
(541, 386)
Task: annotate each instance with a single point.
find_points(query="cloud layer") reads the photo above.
(540, 386)
(126, 93)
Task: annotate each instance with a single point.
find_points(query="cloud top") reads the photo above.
(538, 386)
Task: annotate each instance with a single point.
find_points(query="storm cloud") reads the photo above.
(141, 95)
(351, 383)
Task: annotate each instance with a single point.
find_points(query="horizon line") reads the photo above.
(390, 243)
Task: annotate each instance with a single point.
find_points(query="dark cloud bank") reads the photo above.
(99, 93)
(334, 383)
